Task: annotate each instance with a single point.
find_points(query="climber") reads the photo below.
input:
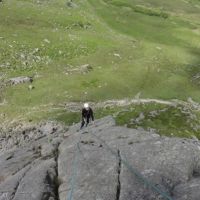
(87, 115)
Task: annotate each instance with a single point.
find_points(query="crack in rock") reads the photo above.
(56, 181)
(118, 178)
(20, 180)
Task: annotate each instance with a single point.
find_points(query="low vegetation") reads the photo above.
(134, 47)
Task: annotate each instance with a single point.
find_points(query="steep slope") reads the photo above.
(104, 162)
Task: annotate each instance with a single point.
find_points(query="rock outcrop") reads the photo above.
(101, 162)
(21, 135)
(28, 162)
(19, 80)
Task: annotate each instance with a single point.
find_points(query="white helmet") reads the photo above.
(86, 105)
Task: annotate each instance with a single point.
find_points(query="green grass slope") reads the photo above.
(134, 46)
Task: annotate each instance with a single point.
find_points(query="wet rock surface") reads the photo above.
(98, 163)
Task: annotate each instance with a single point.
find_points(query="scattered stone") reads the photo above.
(3, 103)
(83, 69)
(47, 41)
(20, 135)
(117, 55)
(86, 68)
(71, 4)
(48, 150)
(31, 87)
(48, 128)
(139, 118)
(138, 95)
(159, 48)
(196, 77)
(20, 80)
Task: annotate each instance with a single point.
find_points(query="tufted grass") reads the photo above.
(133, 46)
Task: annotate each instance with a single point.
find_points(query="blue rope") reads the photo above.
(74, 173)
(124, 161)
(136, 173)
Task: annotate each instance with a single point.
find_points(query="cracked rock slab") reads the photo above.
(97, 171)
(172, 164)
(91, 164)
(29, 173)
(38, 183)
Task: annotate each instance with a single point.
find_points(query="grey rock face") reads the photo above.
(22, 135)
(28, 171)
(97, 171)
(38, 182)
(172, 164)
(100, 162)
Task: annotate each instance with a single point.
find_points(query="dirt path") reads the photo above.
(76, 106)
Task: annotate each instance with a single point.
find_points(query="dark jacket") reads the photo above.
(87, 113)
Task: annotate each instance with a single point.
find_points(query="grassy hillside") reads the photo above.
(133, 46)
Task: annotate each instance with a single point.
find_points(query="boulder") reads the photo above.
(71, 4)
(86, 68)
(21, 79)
